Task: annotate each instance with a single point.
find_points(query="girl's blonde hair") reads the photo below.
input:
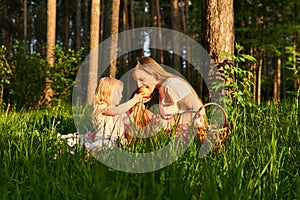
(103, 96)
(105, 90)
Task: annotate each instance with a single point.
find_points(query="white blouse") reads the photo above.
(171, 92)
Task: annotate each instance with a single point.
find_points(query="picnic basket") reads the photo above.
(215, 133)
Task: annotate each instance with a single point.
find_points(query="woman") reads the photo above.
(176, 95)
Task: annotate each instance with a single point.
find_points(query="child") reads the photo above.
(108, 115)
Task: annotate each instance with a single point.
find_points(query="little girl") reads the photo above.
(108, 115)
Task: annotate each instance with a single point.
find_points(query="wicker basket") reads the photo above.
(215, 133)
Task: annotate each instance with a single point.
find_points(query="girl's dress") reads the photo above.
(109, 129)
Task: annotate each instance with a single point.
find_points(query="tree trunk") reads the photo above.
(126, 40)
(86, 23)
(18, 23)
(51, 36)
(114, 32)
(144, 12)
(260, 65)
(132, 55)
(131, 7)
(276, 84)
(185, 16)
(176, 26)
(25, 21)
(51, 31)
(125, 27)
(295, 42)
(111, 29)
(78, 25)
(254, 75)
(219, 37)
(94, 51)
(6, 26)
(219, 28)
(31, 34)
(267, 73)
(156, 22)
(67, 23)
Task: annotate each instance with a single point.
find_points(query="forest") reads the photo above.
(253, 44)
(264, 30)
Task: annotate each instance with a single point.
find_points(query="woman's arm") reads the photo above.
(124, 107)
(189, 103)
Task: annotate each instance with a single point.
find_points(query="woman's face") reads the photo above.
(144, 79)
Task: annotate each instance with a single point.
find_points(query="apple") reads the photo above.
(146, 90)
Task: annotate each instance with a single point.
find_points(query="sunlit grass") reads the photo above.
(261, 160)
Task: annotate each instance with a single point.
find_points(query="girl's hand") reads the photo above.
(141, 98)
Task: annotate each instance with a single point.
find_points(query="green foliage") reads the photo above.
(5, 73)
(28, 80)
(293, 65)
(257, 162)
(63, 73)
(24, 74)
(238, 78)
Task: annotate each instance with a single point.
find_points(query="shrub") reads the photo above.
(5, 73)
(28, 77)
(64, 71)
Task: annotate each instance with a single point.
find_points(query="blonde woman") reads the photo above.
(176, 95)
(109, 115)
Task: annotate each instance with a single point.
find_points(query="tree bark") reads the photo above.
(114, 41)
(219, 37)
(78, 25)
(132, 55)
(94, 51)
(67, 23)
(176, 26)
(6, 26)
(156, 22)
(260, 65)
(219, 28)
(51, 31)
(276, 84)
(295, 42)
(51, 36)
(111, 29)
(86, 23)
(25, 21)
(254, 65)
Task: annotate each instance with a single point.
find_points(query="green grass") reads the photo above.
(261, 160)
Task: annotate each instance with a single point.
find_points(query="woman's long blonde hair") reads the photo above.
(151, 67)
(103, 96)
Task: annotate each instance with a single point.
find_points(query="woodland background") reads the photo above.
(254, 43)
(262, 38)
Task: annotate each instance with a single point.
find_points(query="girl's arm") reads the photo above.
(124, 107)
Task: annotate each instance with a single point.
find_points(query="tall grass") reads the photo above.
(261, 160)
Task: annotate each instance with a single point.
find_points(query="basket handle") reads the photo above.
(218, 105)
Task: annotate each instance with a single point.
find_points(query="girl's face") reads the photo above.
(144, 79)
(117, 95)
